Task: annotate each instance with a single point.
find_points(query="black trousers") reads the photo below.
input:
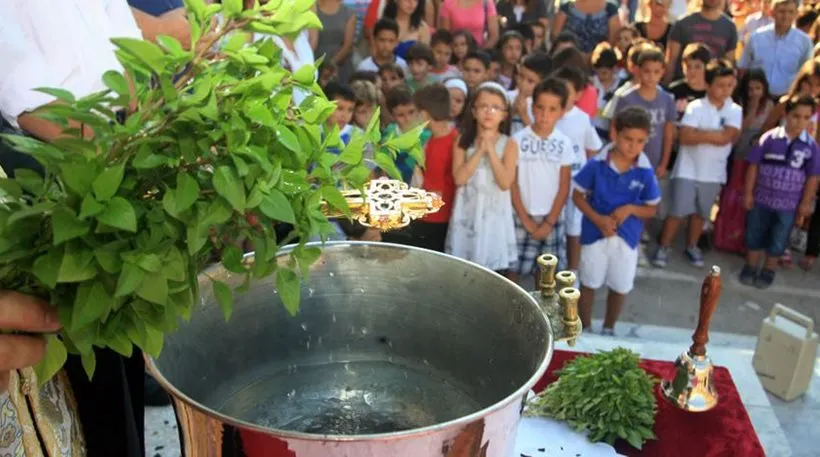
(813, 241)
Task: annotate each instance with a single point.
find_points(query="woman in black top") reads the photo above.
(655, 26)
(512, 13)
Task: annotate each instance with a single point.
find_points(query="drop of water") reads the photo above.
(331, 274)
(390, 343)
(308, 345)
(311, 291)
(320, 341)
(292, 393)
(426, 362)
(304, 326)
(360, 290)
(364, 331)
(334, 318)
(368, 398)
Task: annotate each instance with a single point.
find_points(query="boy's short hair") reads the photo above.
(525, 30)
(605, 56)
(435, 100)
(398, 96)
(336, 91)
(636, 48)
(386, 23)
(441, 36)
(420, 51)
(806, 17)
(481, 56)
(631, 29)
(651, 55)
(565, 36)
(571, 57)
(801, 100)
(538, 62)
(572, 75)
(364, 75)
(719, 68)
(554, 86)
(697, 51)
(632, 117)
(391, 67)
(365, 92)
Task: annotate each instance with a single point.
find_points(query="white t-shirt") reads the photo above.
(577, 126)
(706, 162)
(63, 44)
(369, 65)
(539, 168)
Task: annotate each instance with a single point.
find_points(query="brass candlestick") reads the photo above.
(692, 388)
(562, 307)
(388, 204)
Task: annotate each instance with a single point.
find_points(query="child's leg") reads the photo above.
(585, 306)
(681, 204)
(573, 252)
(623, 266)
(614, 306)
(780, 229)
(695, 230)
(705, 197)
(526, 253)
(573, 227)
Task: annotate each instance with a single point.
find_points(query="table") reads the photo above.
(724, 431)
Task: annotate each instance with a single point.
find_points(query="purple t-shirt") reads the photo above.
(783, 166)
(661, 110)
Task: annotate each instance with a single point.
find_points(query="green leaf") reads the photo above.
(353, 152)
(47, 267)
(65, 226)
(335, 199)
(277, 207)
(289, 288)
(150, 262)
(52, 363)
(287, 138)
(261, 114)
(77, 177)
(153, 341)
(154, 288)
(146, 160)
(115, 81)
(407, 140)
(119, 214)
(90, 304)
(129, 280)
(186, 193)
(107, 183)
(29, 180)
(232, 259)
(171, 44)
(77, 264)
(11, 188)
(174, 266)
(219, 212)
(228, 185)
(224, 296)
(146, 52)
(195, 239)
(236, 41)
(307, 256)
(305, 75)
(90, 207)
(89, 361)
(386, 163)
(59, 94)
(232, 8)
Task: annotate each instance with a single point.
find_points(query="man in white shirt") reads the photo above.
(779, 49)
(66, 44)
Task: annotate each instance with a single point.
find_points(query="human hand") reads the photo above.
(748, 201)
(529, 225)
(23, 313)
(621, 214)
(660, 171)
(521, 105)
(543, 231)
(607, 225)
(804, 211)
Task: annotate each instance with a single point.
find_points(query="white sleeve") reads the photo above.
(691, 116)
(121, 20)
(23, 67)
(735, 117)
(592, 142)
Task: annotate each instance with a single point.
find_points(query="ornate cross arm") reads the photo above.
(388, 204)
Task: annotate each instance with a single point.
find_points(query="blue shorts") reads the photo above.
(769, 230)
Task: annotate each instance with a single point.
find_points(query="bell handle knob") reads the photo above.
(709, 297)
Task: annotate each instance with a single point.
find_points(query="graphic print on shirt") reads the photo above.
(537, 149)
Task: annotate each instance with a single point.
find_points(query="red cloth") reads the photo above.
(588, 101)
(724, 431)
(730, 225)
(438, 173)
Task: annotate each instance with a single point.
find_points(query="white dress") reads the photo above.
(481, 226)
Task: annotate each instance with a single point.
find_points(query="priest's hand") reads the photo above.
(29, 315)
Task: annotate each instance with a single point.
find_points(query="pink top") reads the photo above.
(470, 18)
(588, 101)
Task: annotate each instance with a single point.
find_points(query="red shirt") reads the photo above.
(438, 173)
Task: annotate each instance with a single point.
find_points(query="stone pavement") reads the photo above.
(657, 322)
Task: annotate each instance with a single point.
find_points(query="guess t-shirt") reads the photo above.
(539, 168)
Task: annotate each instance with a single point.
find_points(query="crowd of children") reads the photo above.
(539, 147)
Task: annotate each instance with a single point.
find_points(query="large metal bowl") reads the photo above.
(395, 351)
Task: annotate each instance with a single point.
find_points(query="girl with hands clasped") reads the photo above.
(484, 164)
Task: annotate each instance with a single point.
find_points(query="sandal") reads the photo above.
(808, 262)
(786, 261)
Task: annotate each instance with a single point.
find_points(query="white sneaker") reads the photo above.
(643, 261)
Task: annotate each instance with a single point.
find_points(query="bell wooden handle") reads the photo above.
(709, 297)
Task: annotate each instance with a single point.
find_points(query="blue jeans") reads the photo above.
(768, 229)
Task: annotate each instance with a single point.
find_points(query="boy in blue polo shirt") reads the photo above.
(615, 191)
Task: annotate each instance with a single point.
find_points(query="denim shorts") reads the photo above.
(769, 230)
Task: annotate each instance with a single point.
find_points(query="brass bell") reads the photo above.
(692, 388)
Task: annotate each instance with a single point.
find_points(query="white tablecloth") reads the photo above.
(541, 437)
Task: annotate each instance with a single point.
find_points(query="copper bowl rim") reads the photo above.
(520, 393)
